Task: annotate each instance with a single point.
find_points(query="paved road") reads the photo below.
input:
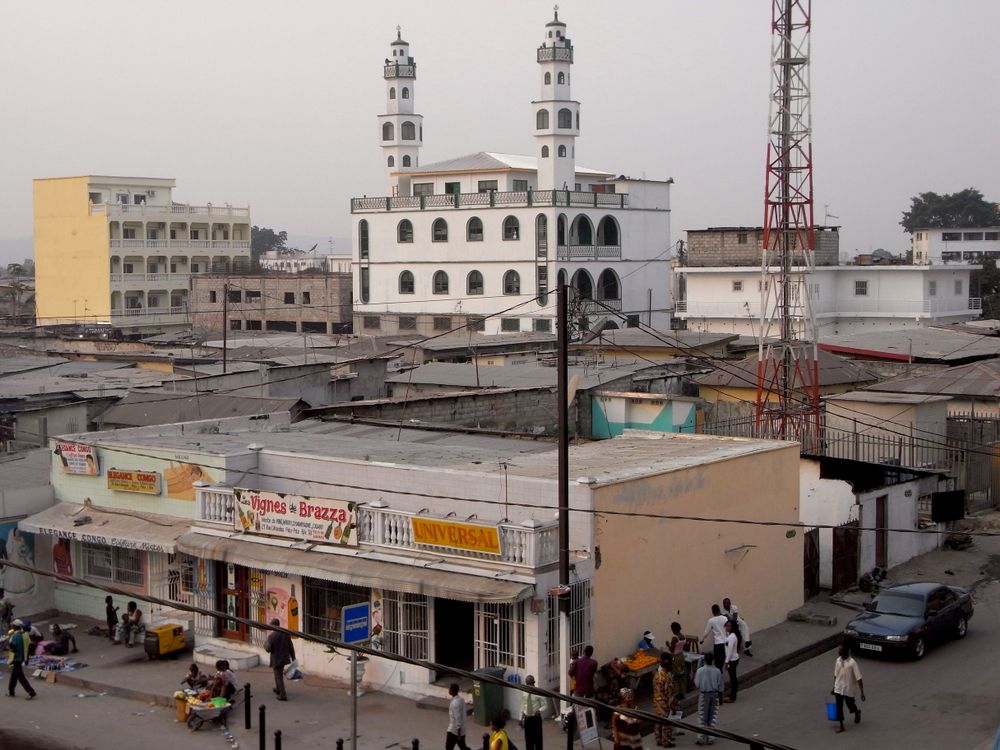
(949, 699)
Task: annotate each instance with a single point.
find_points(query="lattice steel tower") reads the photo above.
(787, 404)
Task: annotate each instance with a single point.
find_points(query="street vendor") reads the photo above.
(195, 679)
(62, 642)
(647, 642)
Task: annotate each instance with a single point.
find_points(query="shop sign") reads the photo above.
(314, 519)
(78, 459)
(356, 619)
(464, 536)
(108, 541)
(129, 480)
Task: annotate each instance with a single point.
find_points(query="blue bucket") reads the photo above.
(831, 711)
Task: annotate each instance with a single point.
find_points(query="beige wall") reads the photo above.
(650, 572)
(71, 254)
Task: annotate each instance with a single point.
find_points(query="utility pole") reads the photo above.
(225, 323)
(562, 398)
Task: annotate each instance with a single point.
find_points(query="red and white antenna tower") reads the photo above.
(787, 404)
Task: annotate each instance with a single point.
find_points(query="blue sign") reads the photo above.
(356, 622)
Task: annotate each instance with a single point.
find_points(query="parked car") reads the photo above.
(907, 617)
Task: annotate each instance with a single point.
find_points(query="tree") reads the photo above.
(967, 208)
(15, 269)
(264, 239)
(986, 284)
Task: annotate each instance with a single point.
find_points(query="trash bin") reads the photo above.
(487, 698)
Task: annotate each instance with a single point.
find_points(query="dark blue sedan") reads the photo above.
(906, 618)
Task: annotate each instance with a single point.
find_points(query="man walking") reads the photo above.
(716, 628)
(583, 671)
(847, 685)
(708, 680)
(742, 630)
(279, 645)
(531, 716)
(18, 657)
(456, 720)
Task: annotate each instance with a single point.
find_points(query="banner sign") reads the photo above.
(129, 480)
(78, 459)
(314, 519)
(356, 622)
(465, 536)
(108, 540)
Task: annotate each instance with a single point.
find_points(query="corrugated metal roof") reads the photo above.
(510, 376)
(887, 397)
(491, 160)
(11, 365)
(833, 370)
(977, 379)
(921, 344)
(141, 409)
(666, 339)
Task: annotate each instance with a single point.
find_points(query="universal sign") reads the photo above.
(464, 536)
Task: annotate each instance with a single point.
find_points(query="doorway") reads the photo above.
(232, 599)
(454, 634)
(845, 556)
(881, 531)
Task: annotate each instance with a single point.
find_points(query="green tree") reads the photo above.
(15, 269)
(986, 284)
(966, 208)
(264, 239)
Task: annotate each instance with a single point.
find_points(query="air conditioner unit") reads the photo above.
(151, 193)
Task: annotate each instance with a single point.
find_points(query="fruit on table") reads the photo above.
(640, 660)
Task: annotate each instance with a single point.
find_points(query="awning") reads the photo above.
(355, 570)
(114, 527)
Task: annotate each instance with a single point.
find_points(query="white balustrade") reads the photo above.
(216, 504)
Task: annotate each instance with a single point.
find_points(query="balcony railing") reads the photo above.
(490, 198)
(399, 70)
(520, 545)
(545, 54)
(146, 209)
(141, 315)
(180, 244)
(588, 252)
(849, 306)
(141, 279)
(596, 307)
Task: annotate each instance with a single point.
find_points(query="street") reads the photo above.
(949, 699)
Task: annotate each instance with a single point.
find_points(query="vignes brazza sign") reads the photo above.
(315, 519)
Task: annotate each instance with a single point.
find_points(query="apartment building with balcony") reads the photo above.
(458, 241)
(121, 252)
(955, 245)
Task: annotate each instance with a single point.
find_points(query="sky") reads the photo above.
(274, 105)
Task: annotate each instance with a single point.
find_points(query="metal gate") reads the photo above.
(810, 564)
(845, 555)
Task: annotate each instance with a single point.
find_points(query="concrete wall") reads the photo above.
(829, 502)
(311, 383)
(901, 513)
(650, 572)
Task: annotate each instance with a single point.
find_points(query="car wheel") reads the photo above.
(962, 629)
(918, 649)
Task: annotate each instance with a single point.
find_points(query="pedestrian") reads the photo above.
(732, 660)
(716, 628)
(583, 670)
(531, 716)
(742, 631)
(676, 647)
(111, 616)
(498, 735)
(456, 720)
(279, 645)
(625, 730)
(664, 699)
(708, 680)
(847, 685)
(17, 657)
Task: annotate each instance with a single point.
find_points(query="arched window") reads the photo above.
(584, 284)
(562, 151)
(577, 120)
(390, 162)
(561, 278)
(439, 231)
(363, 238)
(406, 92)
(581, 231)
(406, 160)
(607, 232)
(565, 119)
(542, 119)
(392, 92)
(406, 282)
(561, 230)
(541, 233)
(404, 232)
(548, 79)
(561, 78)
(608, 286)
(474, 230)
(511, 228)
(474, 283)
(440, 282)
(512, 283)
(545, 152)
(408, 132)
(388, 132)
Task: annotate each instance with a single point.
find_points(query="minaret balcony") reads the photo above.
(560, 54)
(400, 70)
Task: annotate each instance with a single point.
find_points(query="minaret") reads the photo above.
(401, 132)
(557, 115)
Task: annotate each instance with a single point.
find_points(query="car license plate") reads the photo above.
(870, 646)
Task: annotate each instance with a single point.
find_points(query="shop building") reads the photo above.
(448, 540)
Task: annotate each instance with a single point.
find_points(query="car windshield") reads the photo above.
(899, 604)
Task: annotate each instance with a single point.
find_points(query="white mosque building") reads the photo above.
(482, 240)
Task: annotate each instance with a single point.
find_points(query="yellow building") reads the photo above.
(119, 251)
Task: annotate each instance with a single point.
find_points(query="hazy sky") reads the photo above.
(274, 104)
